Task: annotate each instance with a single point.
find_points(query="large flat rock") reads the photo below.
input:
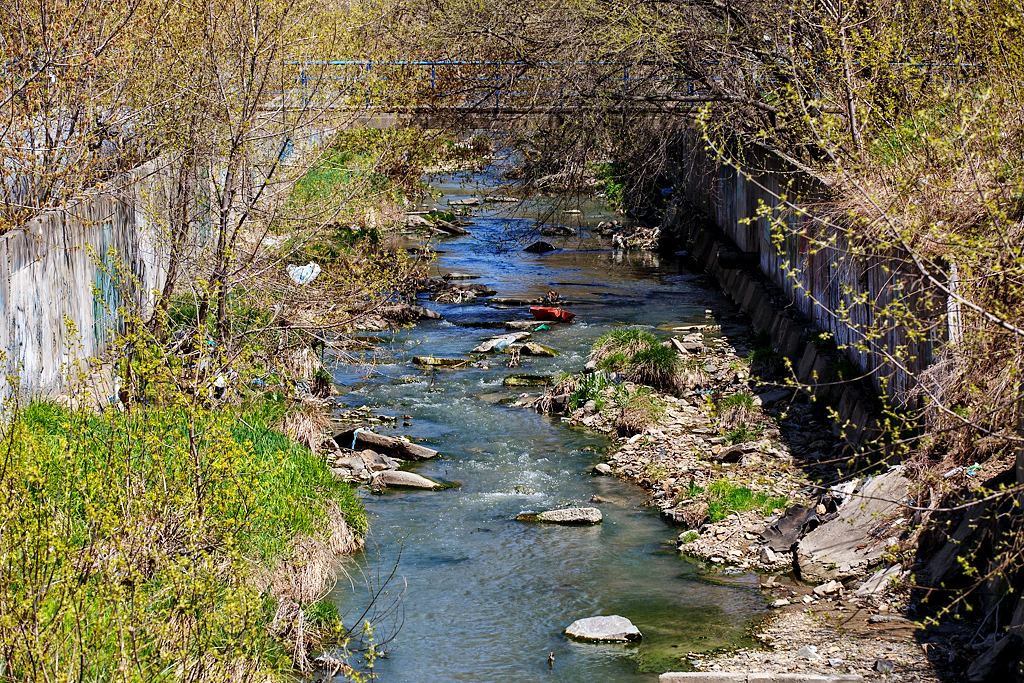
(845, 547)
(564, 516)
(400, 479)
(613, 629)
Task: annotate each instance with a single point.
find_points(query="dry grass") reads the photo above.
(305, 576)
(300, 363)
(695, 513)
(307, 423)
(692, 374)
(638, 410)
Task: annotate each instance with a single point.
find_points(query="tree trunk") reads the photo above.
(851, 109)
(220, 274)
(180, 213)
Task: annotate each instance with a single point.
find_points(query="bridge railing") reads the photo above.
(477, 84)
(514, 85)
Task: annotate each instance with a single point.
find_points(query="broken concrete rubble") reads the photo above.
(844, 547)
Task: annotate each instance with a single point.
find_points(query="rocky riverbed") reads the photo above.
(849, 615)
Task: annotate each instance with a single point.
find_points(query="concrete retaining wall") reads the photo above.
(68, 280)
(792, 333)
(815, 267)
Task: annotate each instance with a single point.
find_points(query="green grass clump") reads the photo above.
(741, 401)
(625, 340)
(693, 489)
(614, 362)
(589, 388)
(657, 366)
(744, 433)
(639, 355)
(638, 409)
(735, 410)
(765, 361)
(724, 498)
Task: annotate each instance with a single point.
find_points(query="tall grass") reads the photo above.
(623, 340)
(735, 410)
(657, 366)
(639, 355)
(149, 545)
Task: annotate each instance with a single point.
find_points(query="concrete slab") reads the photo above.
(806, 363)
(701, 677)
(844, 547)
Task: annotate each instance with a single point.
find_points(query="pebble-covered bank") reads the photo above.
(853, 626)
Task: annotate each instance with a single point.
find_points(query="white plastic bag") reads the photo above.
(303, 275)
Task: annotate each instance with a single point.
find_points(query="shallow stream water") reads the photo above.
(482, 597)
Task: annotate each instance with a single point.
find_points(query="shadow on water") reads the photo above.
(486, 598)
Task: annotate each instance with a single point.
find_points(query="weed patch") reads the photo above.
(638, 409)
(744, 433)
(724, 498)
(172, 521)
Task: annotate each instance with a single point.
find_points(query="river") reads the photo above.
(480, 596)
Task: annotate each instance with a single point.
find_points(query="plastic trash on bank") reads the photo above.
(303, 275)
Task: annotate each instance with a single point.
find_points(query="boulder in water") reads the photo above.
(404, 313)
(482, 290)
(613, 629)
(528, 381)
(539, 247)
(557, 231)
(529, 325)
(378, 443)
(563, 516)
(430, 361)
(511, 301)
(500, 343)
(534, 349)
(400, 479)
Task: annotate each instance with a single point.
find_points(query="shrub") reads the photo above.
(481, 144)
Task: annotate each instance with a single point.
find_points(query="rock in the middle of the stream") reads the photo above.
(398, 478)
(614, 629)
(564, 516)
